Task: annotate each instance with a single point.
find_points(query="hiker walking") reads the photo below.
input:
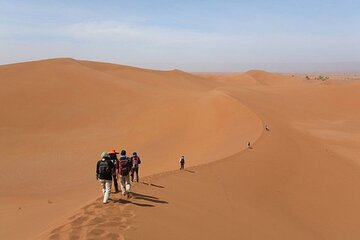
(115, 161)
(182, 162)
(135, 161)
(124, 171)
(104, 168)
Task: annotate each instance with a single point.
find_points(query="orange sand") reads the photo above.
(299, 181)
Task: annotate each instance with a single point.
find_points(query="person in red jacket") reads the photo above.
(135, 160)
(124, 171)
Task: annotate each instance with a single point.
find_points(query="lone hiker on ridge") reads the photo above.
(135, 161)
(124, 170)
(182, 162)
(104, 168)
(115, 173)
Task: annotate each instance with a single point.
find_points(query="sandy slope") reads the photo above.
(58, 115)
(299, 181)
(293, 184)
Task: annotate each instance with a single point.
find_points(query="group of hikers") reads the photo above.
(110, 168)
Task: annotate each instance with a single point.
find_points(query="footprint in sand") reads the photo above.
(78, 221)
(74, 237)
(73, 217)
(122, 227)
(96, 220)
(96, 231)
(117, 219)
(54, 236)
(112, 223)
(113, 236)
(127, 215)
(57, 230)
(89, 212)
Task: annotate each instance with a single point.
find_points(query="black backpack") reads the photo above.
(124, 163)
(104, 167)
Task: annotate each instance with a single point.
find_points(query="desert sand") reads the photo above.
(299, 180)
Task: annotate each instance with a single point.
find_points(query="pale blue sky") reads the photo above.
(275, 35)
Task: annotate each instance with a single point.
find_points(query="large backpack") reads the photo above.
(124, 163)
(135, 161)
(115, 162)
(104, 167)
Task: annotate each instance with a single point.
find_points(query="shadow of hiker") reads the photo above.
(158, 186)
(190, 171)
(138, 195)
(148, 198)
(125, 201)
(151, 184)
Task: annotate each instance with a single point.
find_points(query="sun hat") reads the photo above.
(113, 152)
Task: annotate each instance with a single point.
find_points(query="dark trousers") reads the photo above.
(182, 166)
(116, 186)
(133, 171)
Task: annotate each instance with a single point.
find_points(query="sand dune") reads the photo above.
(299, 181)
(67, 111)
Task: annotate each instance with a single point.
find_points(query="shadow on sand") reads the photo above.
(151, 184)
(158, 186)
(127, 201)
(148, 198)
(135, 197)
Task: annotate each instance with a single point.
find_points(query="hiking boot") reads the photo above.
(128, 195)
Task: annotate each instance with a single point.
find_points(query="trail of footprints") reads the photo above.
(96, 221)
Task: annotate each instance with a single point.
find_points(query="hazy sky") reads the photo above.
(275, 35)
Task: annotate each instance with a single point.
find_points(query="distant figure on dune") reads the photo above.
(267, 127)
(182, 162)
(104, 170)
(249, 145)
(124, 170)
(135, 161)
(115, 161)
